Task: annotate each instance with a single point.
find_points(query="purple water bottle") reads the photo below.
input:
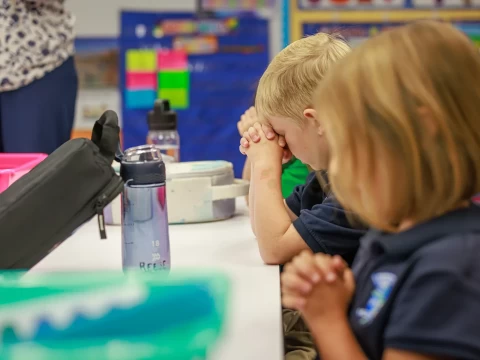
(145, 239)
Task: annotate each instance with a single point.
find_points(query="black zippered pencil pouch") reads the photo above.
(72, 185)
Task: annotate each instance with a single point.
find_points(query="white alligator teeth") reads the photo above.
(60, 311)
(132, 296)
(24, 325)
(60, 318)
(95, 308)
(99, 304)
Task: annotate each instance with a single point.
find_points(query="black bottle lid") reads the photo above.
(162, 117)
(142, 165)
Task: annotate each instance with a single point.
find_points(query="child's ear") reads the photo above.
(312, 115)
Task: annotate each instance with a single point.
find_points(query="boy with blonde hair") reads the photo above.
(310, 218)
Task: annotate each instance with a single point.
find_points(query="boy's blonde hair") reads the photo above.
(403, 122)
(286, 87)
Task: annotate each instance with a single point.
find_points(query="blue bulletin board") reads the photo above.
(208, 68)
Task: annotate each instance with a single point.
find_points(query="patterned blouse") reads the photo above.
(36, 37)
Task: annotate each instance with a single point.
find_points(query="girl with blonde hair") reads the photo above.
(403, 123)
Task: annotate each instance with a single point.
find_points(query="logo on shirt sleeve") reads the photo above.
(383, 284)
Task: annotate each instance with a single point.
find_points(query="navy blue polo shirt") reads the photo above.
(419, 290)
(322, 222)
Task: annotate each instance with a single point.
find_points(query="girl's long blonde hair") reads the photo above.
(404, 107)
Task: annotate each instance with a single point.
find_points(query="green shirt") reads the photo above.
(293, 173)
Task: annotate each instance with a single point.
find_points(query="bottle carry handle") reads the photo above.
(106, 135)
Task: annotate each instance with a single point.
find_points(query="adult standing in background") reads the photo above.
(38, 80)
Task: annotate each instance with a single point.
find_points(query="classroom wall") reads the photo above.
(100, 19)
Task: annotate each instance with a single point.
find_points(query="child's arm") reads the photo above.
(247, 171)
(247, 120)
(338, 331)
(328, 338)
(282, 228)
(251, 195)
(278, 239)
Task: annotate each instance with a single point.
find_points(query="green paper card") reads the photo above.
(178, 97)
(141, 60)
(173, 80)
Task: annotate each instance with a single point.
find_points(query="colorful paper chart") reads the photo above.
(301, 14)
(426, 4)
(237, 4)
(356, 34)
(152, 74)
(196, 44)
(190, 27)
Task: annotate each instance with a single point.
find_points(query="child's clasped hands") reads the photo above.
(258, 147)
(259, 142)
(310, 278)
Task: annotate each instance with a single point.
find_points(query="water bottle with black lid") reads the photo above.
(162, 129)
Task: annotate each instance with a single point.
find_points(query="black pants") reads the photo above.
(38, 118)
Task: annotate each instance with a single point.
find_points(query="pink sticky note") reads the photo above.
(136, 80)
(172, 60)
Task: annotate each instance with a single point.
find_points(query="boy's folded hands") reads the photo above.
(252, 132)
(263, 149)
(318, 285)
(264, 139)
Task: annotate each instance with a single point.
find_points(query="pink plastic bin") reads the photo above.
(14, 166)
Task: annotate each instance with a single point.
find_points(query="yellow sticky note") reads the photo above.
(141, 60)
(178, 97)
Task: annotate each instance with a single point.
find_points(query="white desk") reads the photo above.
(253, 328)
